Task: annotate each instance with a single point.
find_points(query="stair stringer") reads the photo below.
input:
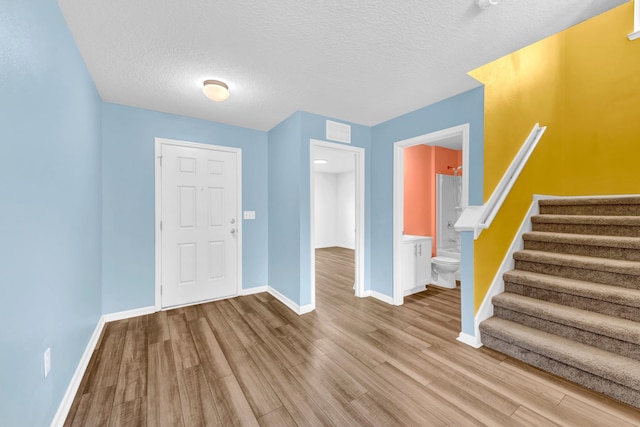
(508, 263)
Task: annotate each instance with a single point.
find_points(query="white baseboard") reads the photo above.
(414, 290)
(470, 340)
(127, 314)
(381, 297)
(256, 290)
(74, 384)
(289, 303)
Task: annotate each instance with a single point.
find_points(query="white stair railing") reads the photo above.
(478, 218)
(636, 21)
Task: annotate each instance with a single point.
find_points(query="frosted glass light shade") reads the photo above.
(215, 90)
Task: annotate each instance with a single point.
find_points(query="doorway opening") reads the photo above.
(337, 206)
(455, 138)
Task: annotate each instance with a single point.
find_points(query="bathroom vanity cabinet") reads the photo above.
(416, 263)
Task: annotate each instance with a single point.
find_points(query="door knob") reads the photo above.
(233, 221)
(233, 231)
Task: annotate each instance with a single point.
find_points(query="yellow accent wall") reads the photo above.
(584, 85)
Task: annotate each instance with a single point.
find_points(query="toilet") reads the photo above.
(444, 271)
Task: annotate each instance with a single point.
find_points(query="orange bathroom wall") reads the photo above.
(417, 184)
(421, 164)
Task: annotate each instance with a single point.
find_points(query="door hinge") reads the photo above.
(160, 225)
(160, 157)
(160, 289)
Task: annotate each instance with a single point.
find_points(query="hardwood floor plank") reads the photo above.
(333, 403)
(232, 404)
(599, 415)
(163, 399)
(277, 418)
(299, 405)
(132, 413)
(185, 353)
(132, 378)
(240, 328)
(198, 405)
(158, 327)
(530, 418)
(259, 393)
(476, 408)
(376, 414)
(107, 367)
(94, 408)
(212, 359)
(324, 367)
(449, 413)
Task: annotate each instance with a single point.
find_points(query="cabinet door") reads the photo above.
(423, 262)
(408, 272)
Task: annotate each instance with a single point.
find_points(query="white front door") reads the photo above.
(199, 224)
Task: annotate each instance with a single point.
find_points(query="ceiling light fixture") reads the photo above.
(484, 4)
(320, 162)
(215, 90)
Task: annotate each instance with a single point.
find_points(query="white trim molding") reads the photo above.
(74, 384)
(497, 285)
(289, 303)
(636, 21)
(470, 340)
(398, 191)
(127, 314)
(256, 290)
(382, 297)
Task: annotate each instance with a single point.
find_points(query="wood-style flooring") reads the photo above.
(352, 362)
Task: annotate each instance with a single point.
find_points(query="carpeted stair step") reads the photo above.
(597, 330)
(590, 206)
(592, 269)
(603, 371)
(604, 225)
(615, 247)
(596, 297)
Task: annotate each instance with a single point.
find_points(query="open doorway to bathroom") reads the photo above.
(337, 217)
(424, 235)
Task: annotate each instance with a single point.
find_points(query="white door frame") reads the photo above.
(398, 191)
(360, 207)
(159, 142)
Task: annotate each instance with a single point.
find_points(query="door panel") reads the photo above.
(199, 222)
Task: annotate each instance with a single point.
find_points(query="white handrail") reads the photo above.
(636, 21)
(478, 218)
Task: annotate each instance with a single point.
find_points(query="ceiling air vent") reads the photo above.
(338, 132)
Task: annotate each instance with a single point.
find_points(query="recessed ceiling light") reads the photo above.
(320, 162)
(215, 90)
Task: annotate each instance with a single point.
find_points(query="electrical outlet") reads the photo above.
(249, 214)
(47, 362)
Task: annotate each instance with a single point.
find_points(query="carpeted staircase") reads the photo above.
(572, 305)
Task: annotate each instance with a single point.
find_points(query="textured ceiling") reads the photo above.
(360, 61)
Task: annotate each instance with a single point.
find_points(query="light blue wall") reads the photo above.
(467, 107)
(128, 230)
(49, 209)
(284, 207)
